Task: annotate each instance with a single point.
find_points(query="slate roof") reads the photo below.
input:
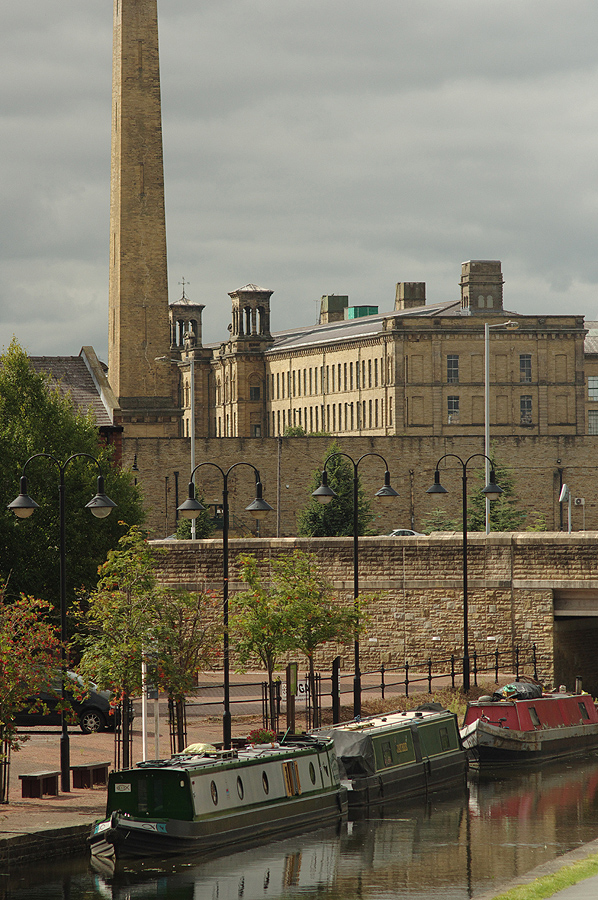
(591, 340)
(72, 376)
(349, 329)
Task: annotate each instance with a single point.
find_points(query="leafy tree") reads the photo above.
(294, 431)
(258, 620)
(296, 612)
(35, 418)
(117, 620)
(184, 639)
(130, 616)
(335, 519)
(314, 616)
(29, 655)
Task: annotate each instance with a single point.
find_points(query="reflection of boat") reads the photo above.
(400, 754)
(210, 799)
(513, 726)
(305, 863)
(533, 794)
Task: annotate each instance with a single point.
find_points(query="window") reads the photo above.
(254, 392)
(453, 410)
(593, 421)
(256, 431)
(452, 368)
(525, 409)
(525, 368)
(592, 387)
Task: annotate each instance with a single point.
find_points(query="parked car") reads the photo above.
(92, 710)
(405, 532)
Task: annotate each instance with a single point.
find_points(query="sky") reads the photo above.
(311, 148)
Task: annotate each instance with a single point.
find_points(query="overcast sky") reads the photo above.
(310, 147)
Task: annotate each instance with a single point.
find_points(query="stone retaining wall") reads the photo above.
(418, 586)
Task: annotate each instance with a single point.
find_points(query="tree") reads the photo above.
(205, 525)
(296, 612)
(504, 514)
(313, 614)
(35, 418)
(439, 520)
(117, 620)
(130, 617)
(184, 640)
(335, 519)
(29, 657)
(258, 620)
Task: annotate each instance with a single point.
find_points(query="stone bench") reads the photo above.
(39, 784)
(88, 775)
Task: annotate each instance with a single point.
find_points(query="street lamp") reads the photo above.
(509, 326)
(100, 506)
(190, 361)
(190, 509)
(324, 494)
(492, 492)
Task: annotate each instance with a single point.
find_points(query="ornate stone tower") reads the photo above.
(139, 328)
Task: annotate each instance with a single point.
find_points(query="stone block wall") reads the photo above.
(416, 610)
(539, 467)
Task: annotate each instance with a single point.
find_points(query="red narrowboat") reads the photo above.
(512, 726)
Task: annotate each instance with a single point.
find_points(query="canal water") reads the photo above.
(452, 847)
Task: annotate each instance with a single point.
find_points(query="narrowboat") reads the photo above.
(399, 754)
(208, 799)
(522, 724)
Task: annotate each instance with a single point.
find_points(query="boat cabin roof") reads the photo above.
(390, 720)
(547, 711)
(218, 758)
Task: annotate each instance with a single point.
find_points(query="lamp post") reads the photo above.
(324, 494)
(190, 361)
(23, 507)
(492, 492)
(258, 508)
(509, 326)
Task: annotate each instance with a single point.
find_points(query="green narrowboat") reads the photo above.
(400, 754)
(212, 799)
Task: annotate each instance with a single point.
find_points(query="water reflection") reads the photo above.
(453, 847)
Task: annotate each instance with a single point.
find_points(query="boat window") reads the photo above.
(534, 717)
(312, 772)
(290, 773)
(386, 753)
(240, 788)
(265, 784)
(214, 792)
(445, 743)
(583, 710)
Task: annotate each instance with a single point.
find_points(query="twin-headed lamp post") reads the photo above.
(23, 507)
(492, 492)
(325, 494)
(190, 509)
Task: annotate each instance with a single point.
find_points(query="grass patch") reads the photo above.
(545, 887)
